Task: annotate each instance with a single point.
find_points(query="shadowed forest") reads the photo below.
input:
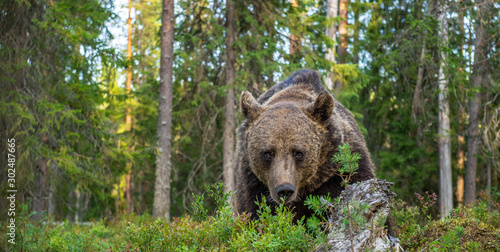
(118, 119)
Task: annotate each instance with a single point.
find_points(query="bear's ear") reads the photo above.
(250, 108)
(322, 108)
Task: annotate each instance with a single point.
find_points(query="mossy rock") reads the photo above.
(455, 234)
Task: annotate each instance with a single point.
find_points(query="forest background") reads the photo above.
(83, 110)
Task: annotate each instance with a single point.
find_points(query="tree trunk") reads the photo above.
(417, 106)
(117, 199)
(460, 158)
(39, 201)
(128, 121)
(77, 205)
(355, 43)
(461, 120)
(128, 193)
(228, 135)
(129, 67)
(487, 141)
(52, 203)
(480, 75)
(161, 205)
(342, 48)
(373, 193)
(295, 43)
(445, 182)
(331, 32)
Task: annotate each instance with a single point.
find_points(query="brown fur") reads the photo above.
(291, 133)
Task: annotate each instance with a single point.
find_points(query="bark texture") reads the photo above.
(228, 135)
(445, 182)
(128, 120)
(371, 234)
(331, 32)
(295, 43)
(161, 205)
(480, 75)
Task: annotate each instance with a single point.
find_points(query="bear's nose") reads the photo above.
(285, 190)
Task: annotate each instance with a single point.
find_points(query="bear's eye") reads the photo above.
(299, 155)
(268, 155)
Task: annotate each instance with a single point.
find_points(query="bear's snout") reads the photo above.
(285, 190)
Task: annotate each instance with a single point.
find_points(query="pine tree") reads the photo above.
(161, 208)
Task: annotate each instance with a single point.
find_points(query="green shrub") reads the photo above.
(467, 229)
(224, 231)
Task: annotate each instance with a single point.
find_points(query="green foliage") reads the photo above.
(347, 160)
(468, 228)
(224, 231)
(43, 235)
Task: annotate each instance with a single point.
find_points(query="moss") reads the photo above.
(456, 234)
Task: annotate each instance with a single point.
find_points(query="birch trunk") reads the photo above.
(445, 182)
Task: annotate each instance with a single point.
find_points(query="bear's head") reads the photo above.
(284, 142)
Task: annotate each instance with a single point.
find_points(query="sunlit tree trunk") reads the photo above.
(161, 205)
(461, 122)
(128, 121)
(331, 32)
(445, 182)
(295, 42)
(228, 135)
(357, 27)
(342, 48)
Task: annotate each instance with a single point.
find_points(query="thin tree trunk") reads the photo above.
(445, 182)
(117, 199)
(128, 121)
(77, 205)
(228, 135)
(294, 39)
(342, 48)
(39, 201)
(461, 121)
(460, 158)
(479, 76)
(488, 161)
(128, 193)
(331, 32)
(129, 67)
(417, 105)
(52, 203)
(355, 57)
(161, 205)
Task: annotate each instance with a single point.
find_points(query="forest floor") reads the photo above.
(475, 228)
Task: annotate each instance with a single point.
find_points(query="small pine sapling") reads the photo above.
(349, 166)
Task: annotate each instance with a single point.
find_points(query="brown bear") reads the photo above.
(286, 144)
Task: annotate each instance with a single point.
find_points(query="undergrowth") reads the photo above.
(475, 228)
